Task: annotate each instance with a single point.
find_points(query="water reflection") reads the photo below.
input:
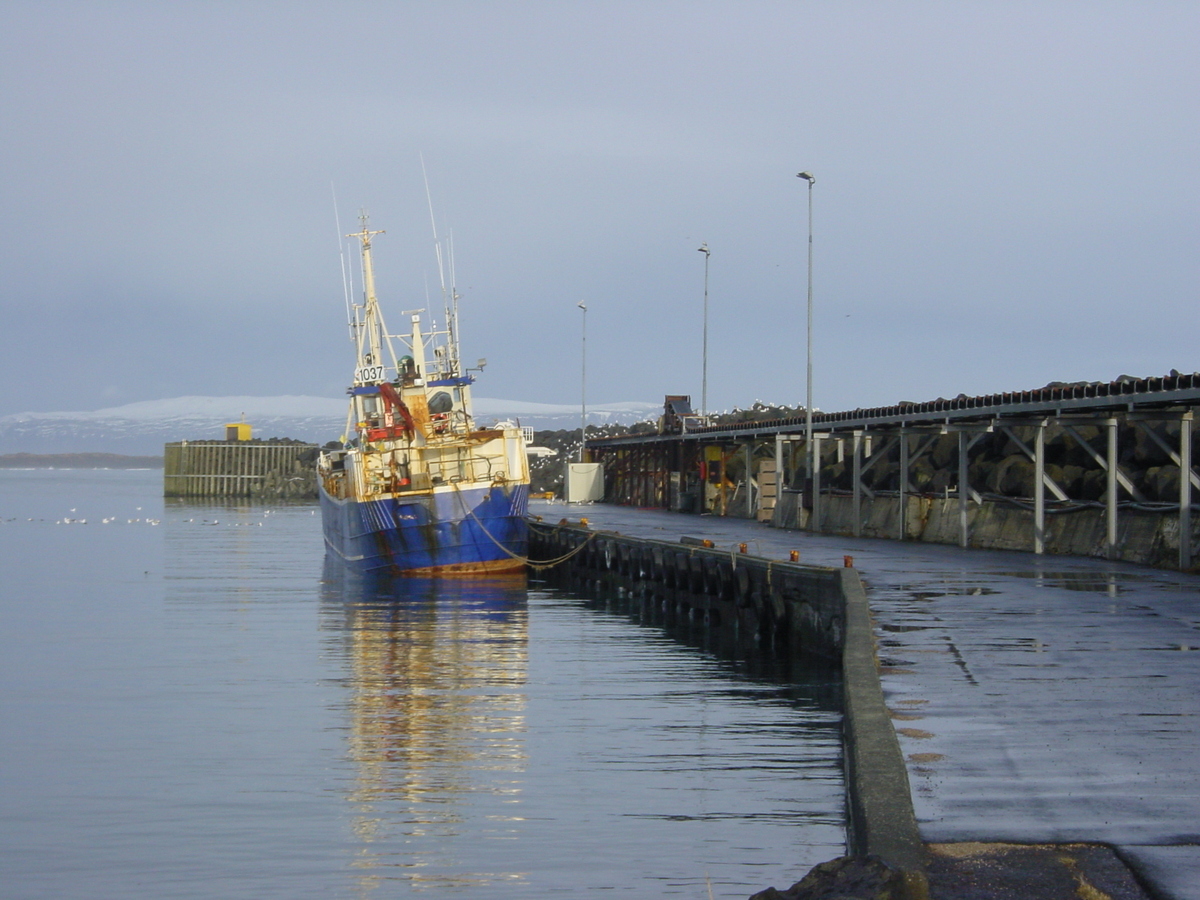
(811, 679)
(436, 706)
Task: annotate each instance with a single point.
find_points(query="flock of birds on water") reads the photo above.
(110, 520)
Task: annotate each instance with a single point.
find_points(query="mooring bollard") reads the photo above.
(848, 562)
(741, 548)
(794, 555)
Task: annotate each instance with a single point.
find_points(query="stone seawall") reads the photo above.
(1145, 537)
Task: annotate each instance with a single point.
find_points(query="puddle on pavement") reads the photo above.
(921, 592)
(1111, 583)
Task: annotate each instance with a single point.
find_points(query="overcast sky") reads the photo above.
(1006, 194)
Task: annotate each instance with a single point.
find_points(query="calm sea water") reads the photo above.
(195, 704)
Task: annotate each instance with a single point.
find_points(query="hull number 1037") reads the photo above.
(368, 375)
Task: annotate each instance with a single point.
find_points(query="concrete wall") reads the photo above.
(1144, 537)
(769, 601)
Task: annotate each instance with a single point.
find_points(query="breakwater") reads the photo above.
(268, 469)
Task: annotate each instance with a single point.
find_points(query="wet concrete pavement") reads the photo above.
(1036, 699)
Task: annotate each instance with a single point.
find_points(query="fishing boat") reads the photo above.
(416, 486)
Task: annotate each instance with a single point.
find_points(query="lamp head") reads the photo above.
(582, 305)
(807, 176)
(703, 248)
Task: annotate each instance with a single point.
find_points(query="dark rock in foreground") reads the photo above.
(845, 878)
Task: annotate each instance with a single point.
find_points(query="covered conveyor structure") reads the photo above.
(1117, 450)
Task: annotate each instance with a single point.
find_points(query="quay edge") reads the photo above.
(816, 610)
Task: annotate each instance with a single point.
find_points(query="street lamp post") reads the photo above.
(703, 248)
(583, 382)
(808, 401)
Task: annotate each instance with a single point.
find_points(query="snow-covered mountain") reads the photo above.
(143, 428)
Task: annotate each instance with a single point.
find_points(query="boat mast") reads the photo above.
(372, 321)
(449, 297)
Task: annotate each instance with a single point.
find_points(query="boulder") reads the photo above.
(845, 878)
(1093, 485)
(1070, 479)
(1162, 483)
(1147, 452)
(1013, 477)
(945, 451)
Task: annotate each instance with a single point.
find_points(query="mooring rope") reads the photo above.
(537, 565)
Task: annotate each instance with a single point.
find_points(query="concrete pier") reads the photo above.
(765, 601)
(1046, 708)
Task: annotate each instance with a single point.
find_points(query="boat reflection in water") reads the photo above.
(436, 706)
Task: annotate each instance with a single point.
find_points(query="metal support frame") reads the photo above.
(874, 458)
(857, 445)
(722, 484)
(964, 490)
(1039, 488)
(1041, 478)
(1110, 494)
(1141, 422)
(778, 471)
(815, 456)
(749, 489)
(1185, 491)
(1109, 463)
(640, 474)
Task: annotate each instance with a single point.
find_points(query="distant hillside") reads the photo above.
(142, 428)
(78, 461)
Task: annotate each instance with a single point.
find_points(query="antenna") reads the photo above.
(452, 324)
(437, 247)
(337, 220)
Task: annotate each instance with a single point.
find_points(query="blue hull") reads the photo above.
(431, 534)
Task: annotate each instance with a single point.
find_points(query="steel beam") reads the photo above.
(857, 443)
(1041, 476)
(816, 484)
(964, 489)
(778, 473)
(1141, 422)
(1110, 461)
(749, 490)
(1110, 494)
(1185, 491)
(1039, 489)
